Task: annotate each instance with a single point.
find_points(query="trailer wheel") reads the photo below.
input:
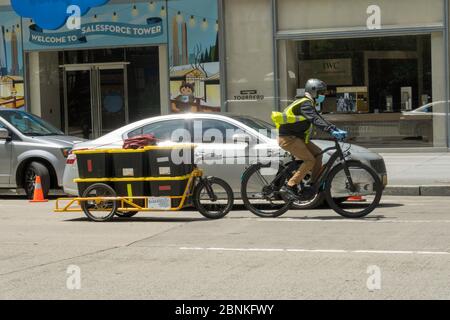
(100, 208)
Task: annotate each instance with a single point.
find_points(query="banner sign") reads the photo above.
(153, 28)
(115, 24)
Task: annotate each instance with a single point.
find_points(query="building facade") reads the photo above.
(386, 64)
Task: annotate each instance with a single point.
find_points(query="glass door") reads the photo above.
(78, 102)
(112, 96)
(95, 99)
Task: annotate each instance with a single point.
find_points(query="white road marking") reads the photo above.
(442, 253)
(316, 250)
(351, 221)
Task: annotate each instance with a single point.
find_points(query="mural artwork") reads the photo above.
(194, 56)
(11, 62)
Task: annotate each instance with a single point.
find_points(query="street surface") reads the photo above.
(401, 251)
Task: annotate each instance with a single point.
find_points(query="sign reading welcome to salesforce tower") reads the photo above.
(153, 29)
(108, 25)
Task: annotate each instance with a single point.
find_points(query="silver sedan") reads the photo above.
(226, 145)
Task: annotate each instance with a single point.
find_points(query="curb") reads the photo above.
(425, 191)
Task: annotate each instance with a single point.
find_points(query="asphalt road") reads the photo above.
(401, 251)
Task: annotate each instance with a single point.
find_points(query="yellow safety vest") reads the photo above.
(288, 116)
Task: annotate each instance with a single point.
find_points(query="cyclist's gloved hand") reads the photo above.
(339, 134)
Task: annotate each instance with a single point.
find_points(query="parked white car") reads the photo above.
(418, 123)
(223, 158)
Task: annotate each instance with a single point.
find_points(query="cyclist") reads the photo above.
(295, 125)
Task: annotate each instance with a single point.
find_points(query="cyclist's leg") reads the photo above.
(315, 150)
(298, 148)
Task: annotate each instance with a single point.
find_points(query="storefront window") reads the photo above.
(90, 92)
(384, 63)
(104, 75)
(380, 89)
(142, 71)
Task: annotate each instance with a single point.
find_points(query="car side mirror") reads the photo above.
(4, 134)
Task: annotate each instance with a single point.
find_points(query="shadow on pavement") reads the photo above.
(142, 219)
(336, 217)
(362, 205)
(390, 205)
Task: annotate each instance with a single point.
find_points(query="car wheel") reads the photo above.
(33, 170)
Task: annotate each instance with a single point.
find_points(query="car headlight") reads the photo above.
(66, 152)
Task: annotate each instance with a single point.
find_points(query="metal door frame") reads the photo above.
(95, 89)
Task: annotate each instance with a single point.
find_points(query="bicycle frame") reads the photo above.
(295, 164)
(339, 154)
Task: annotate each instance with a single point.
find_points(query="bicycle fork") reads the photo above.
(346, 169)
(212, 196)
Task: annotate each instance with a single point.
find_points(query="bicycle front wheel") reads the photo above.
(213, 198)
(363, 199)
(260, 195)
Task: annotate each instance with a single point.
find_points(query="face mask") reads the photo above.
(320, 98)
(185, 98)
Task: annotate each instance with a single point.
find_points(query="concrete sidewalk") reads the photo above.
(415, 174)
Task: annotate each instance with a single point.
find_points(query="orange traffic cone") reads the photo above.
(38, 195)
(356, 199)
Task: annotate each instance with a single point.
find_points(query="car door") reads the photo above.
(5, 160)
(218, 153)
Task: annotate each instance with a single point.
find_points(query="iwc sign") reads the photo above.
(332, 71)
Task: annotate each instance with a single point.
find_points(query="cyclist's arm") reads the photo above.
(310, 113)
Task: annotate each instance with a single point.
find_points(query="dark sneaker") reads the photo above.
(289, 193)
(307, 193)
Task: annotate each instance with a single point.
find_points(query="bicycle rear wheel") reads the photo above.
(260, 195)
(361, 201)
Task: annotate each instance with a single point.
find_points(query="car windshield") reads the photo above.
(428, 109)
(29, 124)
(259, 125)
